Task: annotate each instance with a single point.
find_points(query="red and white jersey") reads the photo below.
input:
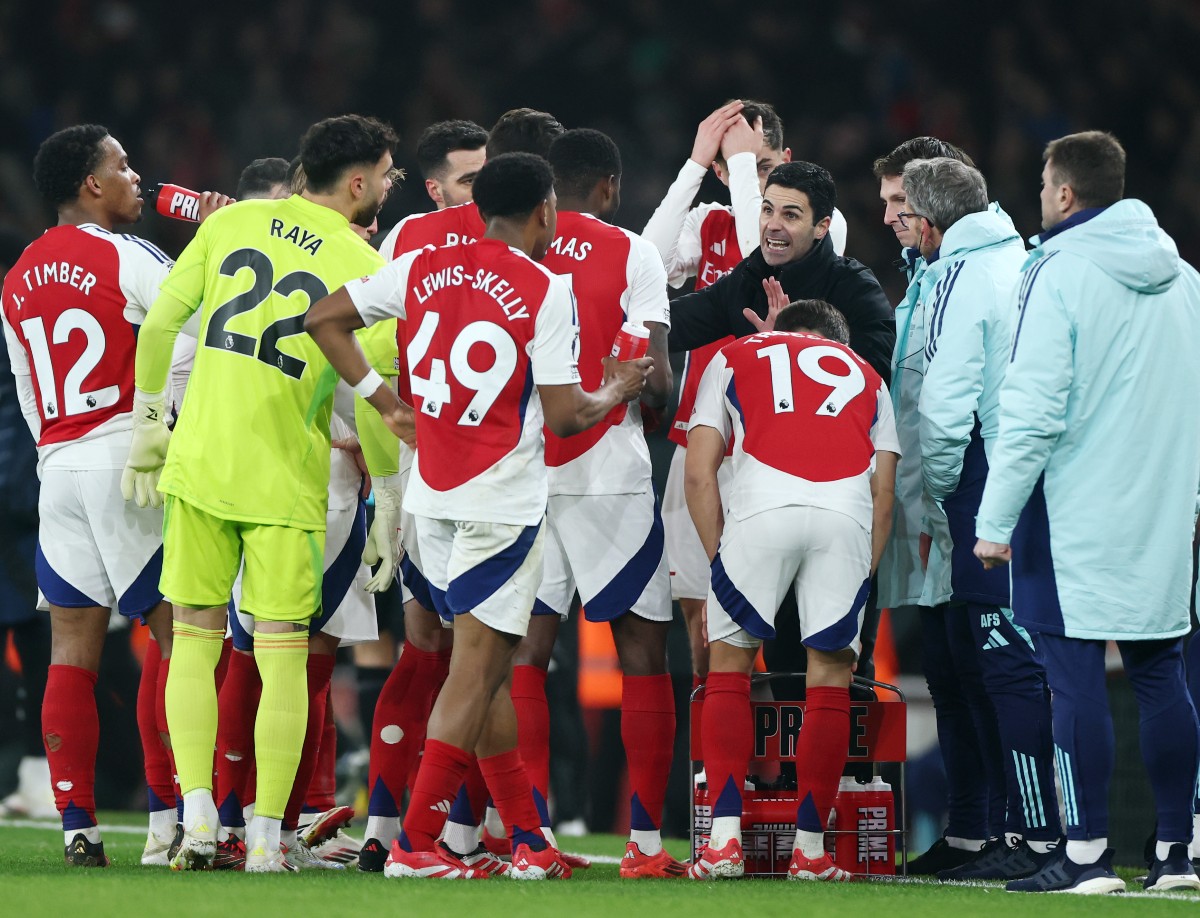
(716, 230)
(69, 309)
(484, 326)
(808, 415)
(446, 228)
(617, 277)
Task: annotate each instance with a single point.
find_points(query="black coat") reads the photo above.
(712, 313)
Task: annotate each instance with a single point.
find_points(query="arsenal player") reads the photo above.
(742, 141)
(812, 519)
(491, 341)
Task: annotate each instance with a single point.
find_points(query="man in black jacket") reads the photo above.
(794, 247)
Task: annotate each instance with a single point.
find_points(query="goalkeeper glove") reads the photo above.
(147, 450)
(383, 541)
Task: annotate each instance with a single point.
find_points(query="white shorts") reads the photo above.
(94, 548)
(610, 547)
(412, 582)
(685, 553)
(347, 610)
(491, 570)
(823, 554)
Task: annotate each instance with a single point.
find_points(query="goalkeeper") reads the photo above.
(248, 465)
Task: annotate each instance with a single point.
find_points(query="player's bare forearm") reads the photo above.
(331, 322)
(399, 418)
(883, 498)
(881, 528)
(706, 449)
(570, 409)
(659, 383)
(156, 340)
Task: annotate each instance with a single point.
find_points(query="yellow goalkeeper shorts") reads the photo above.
(202, 554)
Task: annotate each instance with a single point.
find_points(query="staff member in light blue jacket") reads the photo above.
(1093, 484)
(915, 568)
(978, 263)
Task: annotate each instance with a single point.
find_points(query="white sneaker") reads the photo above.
(572, 828)
(157, 852)
(196, 852)
(302, 857)
(342, 848)
(34, 796)
(260, 859)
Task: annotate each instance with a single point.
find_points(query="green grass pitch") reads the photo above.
(34, 882)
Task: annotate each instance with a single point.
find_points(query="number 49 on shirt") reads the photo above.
(483, 383)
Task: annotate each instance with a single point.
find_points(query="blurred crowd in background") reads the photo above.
(195, 93)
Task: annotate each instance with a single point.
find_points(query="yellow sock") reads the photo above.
(282, 717)
(191, 698)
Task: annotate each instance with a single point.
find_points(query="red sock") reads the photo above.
(648, 733)
(160, 781)
(728, 737)
(322, 791)
(237, 707)
(443, 768)
(441, 672)
(320, 671)
(821, 754)
(533, 725)
(398, 727)
(164, 733)
(477, 791)
(512, 795)
(71, 732)
(223, 663)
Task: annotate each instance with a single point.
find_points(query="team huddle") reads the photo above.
(209, 430)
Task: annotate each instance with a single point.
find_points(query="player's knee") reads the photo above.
(830, 668)
(423, 629)
(641, 645)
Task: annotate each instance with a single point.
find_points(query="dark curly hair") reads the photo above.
(512, 185)
(65, 160)
(582, 157)
(331, 146)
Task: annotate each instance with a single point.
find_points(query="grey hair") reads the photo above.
(944, 190)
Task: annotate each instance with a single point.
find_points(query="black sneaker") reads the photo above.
(1000, 861)
(231, 854)
(372, 856)
(941, 856)
(1176, 872)
(82, 853)
(1061, 874)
